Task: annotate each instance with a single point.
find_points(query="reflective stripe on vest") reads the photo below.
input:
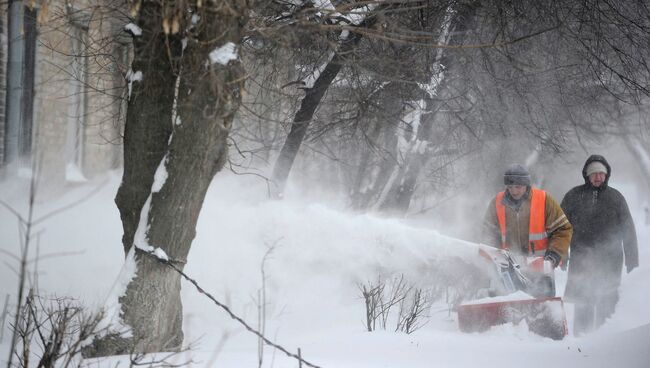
(537, 237)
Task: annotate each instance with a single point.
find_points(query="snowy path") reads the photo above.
(319, 256)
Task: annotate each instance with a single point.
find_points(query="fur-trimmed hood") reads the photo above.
(603, 161)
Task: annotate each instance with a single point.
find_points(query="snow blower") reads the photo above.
(521, 293)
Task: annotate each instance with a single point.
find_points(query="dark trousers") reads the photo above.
(590, 316)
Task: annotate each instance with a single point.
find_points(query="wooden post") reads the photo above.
(299, 358)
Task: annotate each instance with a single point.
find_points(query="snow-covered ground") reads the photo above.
(317, 255)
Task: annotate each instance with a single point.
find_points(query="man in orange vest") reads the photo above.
(527, 221)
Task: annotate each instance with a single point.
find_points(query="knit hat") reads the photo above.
(516, 175)
(596, 167)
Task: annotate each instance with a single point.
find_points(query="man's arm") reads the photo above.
(630, 247)
(558, 228)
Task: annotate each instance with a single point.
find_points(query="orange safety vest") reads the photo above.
(537, 237)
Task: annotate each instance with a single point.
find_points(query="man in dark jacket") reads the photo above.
(603, 236)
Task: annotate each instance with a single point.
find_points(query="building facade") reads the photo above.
(62, 98)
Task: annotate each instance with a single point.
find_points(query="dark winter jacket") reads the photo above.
(603, 236)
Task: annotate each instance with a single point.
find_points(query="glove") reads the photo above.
(552, 257)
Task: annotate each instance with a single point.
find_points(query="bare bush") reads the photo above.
(397, 292)
(450, 281)
(372, 296)
(51, 332)
(381, 296)
(413, 311)
(55, 331)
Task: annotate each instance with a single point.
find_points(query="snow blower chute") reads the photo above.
(525, 292)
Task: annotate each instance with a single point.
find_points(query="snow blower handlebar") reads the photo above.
(507, 268)
(534, 276)
(541, 309)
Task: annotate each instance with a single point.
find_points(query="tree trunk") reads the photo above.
(360, 173)
(209, 95)
(148, 119)
(385, 122)
(300, 124)
(197, 150)
(308, 107)
(398, 198)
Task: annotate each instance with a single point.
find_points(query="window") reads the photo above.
(29, 62)
(17, 112)
(77, 101)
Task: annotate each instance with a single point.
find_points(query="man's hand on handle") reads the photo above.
(552, 257)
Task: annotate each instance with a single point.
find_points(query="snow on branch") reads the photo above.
(131, 77)
(327, 7)
(133, 29)
(438, 69)
(355, 17)
(359, 15)
(309, 80)
(223, 54)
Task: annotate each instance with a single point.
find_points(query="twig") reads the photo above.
(13, 212)
(22, 275)
(4, 315)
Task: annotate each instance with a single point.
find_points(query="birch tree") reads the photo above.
(455, 25)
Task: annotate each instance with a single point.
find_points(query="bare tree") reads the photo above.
(314, 94)
(177, 124)
(52, 332)
(372, 299)
(439, 94)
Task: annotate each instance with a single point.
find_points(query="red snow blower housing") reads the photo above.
(523, 292)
